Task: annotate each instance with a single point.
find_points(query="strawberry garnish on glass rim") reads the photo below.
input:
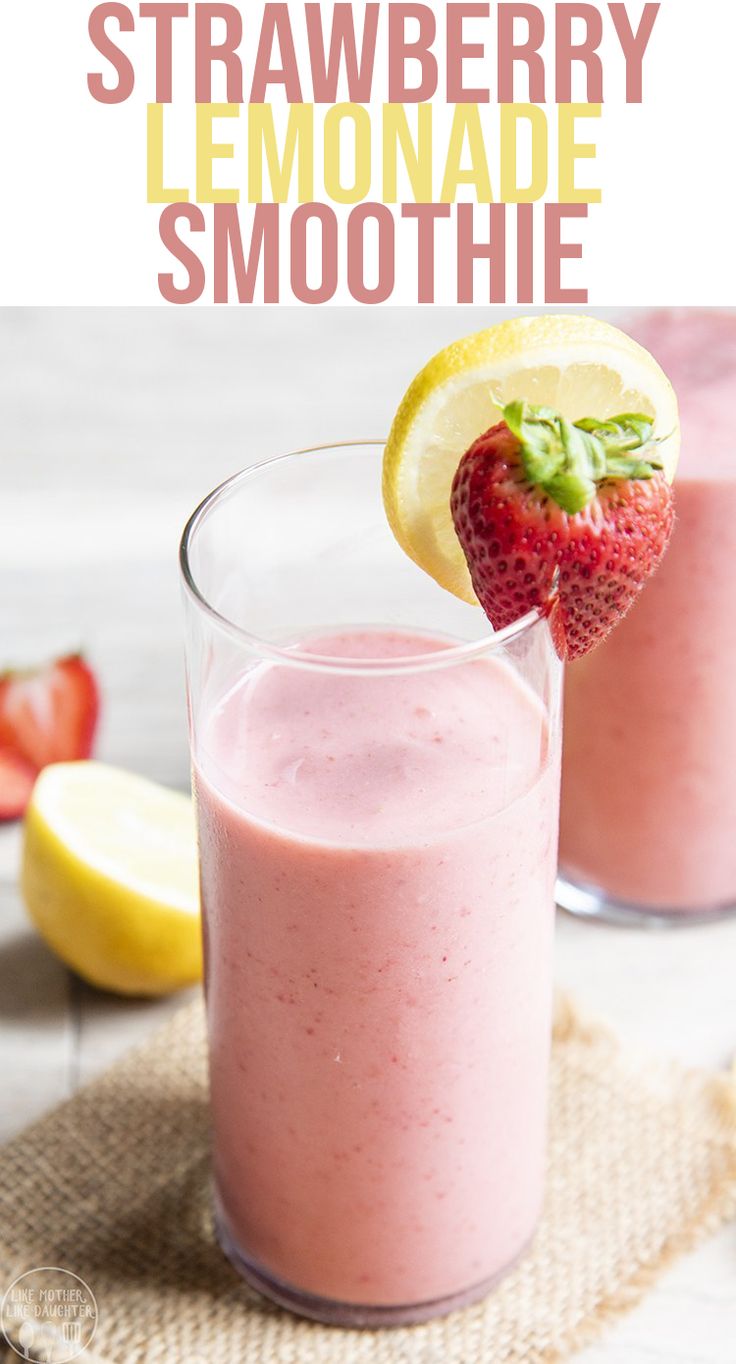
(569, 517)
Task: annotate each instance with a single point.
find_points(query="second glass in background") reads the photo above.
(648, 826)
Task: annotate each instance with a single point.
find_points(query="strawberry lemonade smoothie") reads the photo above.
(376, 765)
(377, 871)
(649, 779)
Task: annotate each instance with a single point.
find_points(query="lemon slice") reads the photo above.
(109, 877)
(579, 365)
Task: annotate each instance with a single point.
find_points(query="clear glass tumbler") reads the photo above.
(376, 776)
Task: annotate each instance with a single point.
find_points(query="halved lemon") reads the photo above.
(109, 877)
(581, 366)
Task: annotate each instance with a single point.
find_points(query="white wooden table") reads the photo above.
(114, 424)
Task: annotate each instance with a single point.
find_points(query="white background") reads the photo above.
(76, 227)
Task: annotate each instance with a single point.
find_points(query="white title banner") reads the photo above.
(508, 153)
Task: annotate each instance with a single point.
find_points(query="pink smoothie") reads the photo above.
(649, 776)
(377, 881)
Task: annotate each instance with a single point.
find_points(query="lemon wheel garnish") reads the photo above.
(580, 366)
(109, 877)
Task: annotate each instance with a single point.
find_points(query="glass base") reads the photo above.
(332, 1313)
(590, 902)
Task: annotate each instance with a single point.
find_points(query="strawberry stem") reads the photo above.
(569, 459)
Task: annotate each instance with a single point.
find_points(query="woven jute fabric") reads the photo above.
(113, 1185)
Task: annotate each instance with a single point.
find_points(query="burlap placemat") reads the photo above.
(113, 1185)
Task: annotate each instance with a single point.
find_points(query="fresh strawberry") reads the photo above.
(49, 714)
(16, 783)
(572, 518)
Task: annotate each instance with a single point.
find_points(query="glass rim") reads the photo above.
(462, 651)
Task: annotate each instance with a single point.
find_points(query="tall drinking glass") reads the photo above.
(376, 777)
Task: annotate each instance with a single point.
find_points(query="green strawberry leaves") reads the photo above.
(569, 459)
